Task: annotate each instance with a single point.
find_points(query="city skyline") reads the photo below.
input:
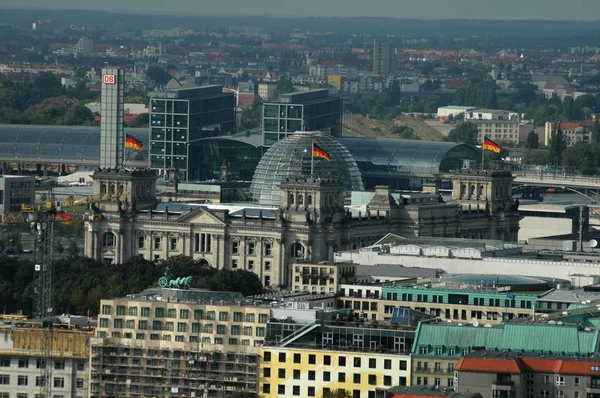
(580, 10)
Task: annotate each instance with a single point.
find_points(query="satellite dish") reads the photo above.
(474, 322)
(593, 243)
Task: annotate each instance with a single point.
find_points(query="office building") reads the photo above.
(112, 135)
(20, 362)
(439, 346)
(84, 47)
(16, 191)
(313, 110)
(497, 130)
(179, 120)
(175, 341)
(332, 352)
(384, 57)
(510, 375)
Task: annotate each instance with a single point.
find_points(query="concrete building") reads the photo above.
(179, 118)
(548, 219)
(510, 374)
(332, 353)
(490, 114)
(453, 110)
(84, 47)
(384, 57)
(175, 341)
(112, 135)
(439, 346)
(313, 110)
(16, 191)
(317, 277)
(20, 363)
(267, 91)
(499, 131)
(574, 132)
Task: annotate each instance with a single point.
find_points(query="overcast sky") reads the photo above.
(423, 9)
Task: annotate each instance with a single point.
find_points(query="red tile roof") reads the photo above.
(489, 365)
(528, 365)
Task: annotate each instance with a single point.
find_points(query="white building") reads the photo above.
(453, 110)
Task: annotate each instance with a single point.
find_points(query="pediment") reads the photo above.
(201, 216)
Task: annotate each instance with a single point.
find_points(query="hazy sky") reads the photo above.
(424, 9)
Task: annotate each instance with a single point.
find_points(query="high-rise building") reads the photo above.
(83, 47)
(313, 110)
(180, 117)
(112, 134)
(384, 58)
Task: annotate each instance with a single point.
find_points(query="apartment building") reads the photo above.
(364, 299)
(174, 341)
(511, 375)
(438, 346)
(333, 352)
(574, 132)
(319, 277)
(21, 363)
(497, 130)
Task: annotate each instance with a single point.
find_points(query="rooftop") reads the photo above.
(430, 391)
(189, 296)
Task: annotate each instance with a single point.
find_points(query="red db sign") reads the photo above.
(109, 79)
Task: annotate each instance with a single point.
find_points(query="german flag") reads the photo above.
(133, 143)
(62, 216)
(489, 145)
(318, 152)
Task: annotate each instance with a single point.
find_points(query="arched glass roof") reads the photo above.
(75, 143)
(408, 156)
(292, 157)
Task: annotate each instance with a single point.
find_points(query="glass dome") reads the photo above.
(292, 157)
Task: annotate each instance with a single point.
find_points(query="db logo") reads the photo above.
(109, 79)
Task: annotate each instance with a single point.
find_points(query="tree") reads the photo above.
(532, 140)
(340, 393)
(243, 394)
(141, 120)
(538, 157)
(158, 74)
(78, 115)
(392, 97)
(557, 145)
(596, 132)
(567, 108)
(73, 250)
(465, 132)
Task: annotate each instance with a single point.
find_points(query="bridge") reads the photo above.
(556, 180)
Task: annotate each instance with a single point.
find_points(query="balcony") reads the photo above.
(592, 388)
(505, 385)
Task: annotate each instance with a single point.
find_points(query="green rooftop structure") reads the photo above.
(438, 346)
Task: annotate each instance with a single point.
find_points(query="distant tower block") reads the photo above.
(112, 135)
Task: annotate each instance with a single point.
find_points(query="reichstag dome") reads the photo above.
(292, 157)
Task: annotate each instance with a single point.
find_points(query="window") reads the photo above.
(311, 391)
(266, 388)
(560, 394)
(263, 318)
(251, 248)
(210, 315)
(22, 380)
(281, 373)
(296, 390)
(296, 375)
(146, 311)
(544, 393)
(326, 376)
(281, 389)
(141, 242)
(221, 329)
(372, 379)
(234, 263)
(80, 366)
(59, 382)
(560, 380)
(23, 363)
(357, 362)
(387, 380)
(181, 327)
(282, 357)
(341, 377)
(108, 239)
(387, 364)
(234, 247)
(21, 395)
(311, 375)
(327, 359)
(342, 361)
(40, 381)
(297, 358)
(59, 365)
(79, 383)
(267, 356)
(4, 362)
(577, 381)
(156, 243)
(223, 316)
(250, 264)
(312, 359)
(372, 363)
(106, 310)
(266, 372)
(267, 249)
(173, 245)
(356, 378)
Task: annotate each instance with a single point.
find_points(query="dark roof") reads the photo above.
(430, 391)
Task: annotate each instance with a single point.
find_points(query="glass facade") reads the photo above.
(112, 141)
(178, 117)
(292, 157)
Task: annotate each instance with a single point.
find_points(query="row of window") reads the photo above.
(58, 382)
(437, 366)
(310, 391)
(179, 338)
(437, 381)
(492, 302)
(357, 361)
(24, 363)
(159, 312)
(341, 376)
(182, 327)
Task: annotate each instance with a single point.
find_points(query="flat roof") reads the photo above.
(548, 207)
(569, 296)
(430, 391)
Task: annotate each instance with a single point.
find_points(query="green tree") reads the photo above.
(392, 97)
(557, 145)
(341, 393)
(532, 140)
(567, 108)
(465, 132)
(73, 250)
(158, 74)
(596, 132)
(538, 157)
(58, 246)
(78, 115)
(141, 120)
(243, 394)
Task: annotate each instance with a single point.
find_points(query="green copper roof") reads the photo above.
(542, 338)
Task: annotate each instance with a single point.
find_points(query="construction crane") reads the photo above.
(41, 220)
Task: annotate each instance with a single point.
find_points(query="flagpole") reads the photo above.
(483, 154)
(312, 158)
